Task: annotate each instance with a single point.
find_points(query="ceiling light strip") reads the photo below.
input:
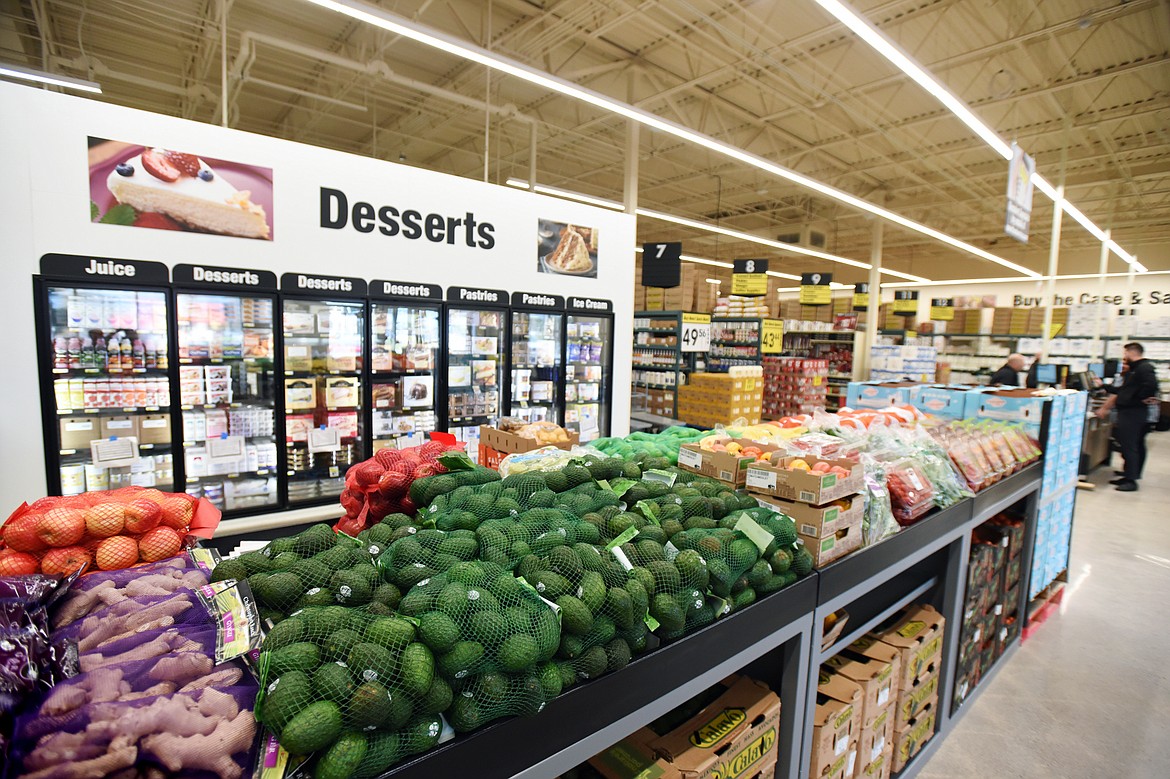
(1013, 279)
(429, 37)
(41, 77)
(878, 40)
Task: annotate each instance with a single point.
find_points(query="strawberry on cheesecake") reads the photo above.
(186, 189)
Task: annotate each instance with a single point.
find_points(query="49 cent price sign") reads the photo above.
(696, 332)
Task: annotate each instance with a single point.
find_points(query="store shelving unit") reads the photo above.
(734, 341)
(659, 361)
(839, 347)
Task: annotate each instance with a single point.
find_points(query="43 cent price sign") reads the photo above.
(696, 332)
(772, 337)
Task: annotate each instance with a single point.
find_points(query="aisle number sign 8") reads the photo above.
(816, 289)
(696, 332)
(772, 337)
(749, 277)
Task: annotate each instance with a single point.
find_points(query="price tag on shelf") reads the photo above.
(772, 336)
(696, 332)
(816, 289)
(324, 439)
(114, 452)
(227, 447)
(861, 297)
(942, 309)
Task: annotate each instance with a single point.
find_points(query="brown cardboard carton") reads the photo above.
(879, 768)
(154, 429)
(832, 547)
(875, 669)
(119, 427)
(908, 742)
(803, 486)
(876, 737)
(731, 738)
(836, 721)
(818, 521)
(912, 700)
(633, 758)
(77, 432)
(495, 444)
(723, 466)
(918, 636)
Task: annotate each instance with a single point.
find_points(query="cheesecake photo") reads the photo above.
(566, 249)
(169, 189)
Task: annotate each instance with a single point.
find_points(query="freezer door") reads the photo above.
(324, 354)
(476, 349)
(588, 375)
(405, 353)
(227, 398)
(108, 357)
(536, 366)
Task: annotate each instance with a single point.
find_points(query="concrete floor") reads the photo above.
(1088, 695)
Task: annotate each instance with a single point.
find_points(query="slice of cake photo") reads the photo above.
(172, 190)
(567, 249)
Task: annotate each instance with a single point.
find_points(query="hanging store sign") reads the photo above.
(322, 285)
(1019, 195)
(538, 300)
(409, 290)
(861, 297)
(749, 277)
(816, 289)
(942, 309)
(476, 295)
(223, 278)
(772, 336)
(68, 266)
(696, 332)
(905, 302)
(662, 264)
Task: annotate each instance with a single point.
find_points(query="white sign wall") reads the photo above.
(400, 223)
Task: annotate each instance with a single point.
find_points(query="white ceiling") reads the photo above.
(1083, 86)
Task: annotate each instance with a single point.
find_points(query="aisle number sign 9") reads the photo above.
(816, 289)
(696, 332)
(772, 336)
(942, 309)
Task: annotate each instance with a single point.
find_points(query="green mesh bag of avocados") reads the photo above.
(676, 590)
(491, 636)
(602, 608)
(337, 682)
(535, 531)
(407, 561)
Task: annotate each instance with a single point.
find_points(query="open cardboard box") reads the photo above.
(495, 445)
(874, 668)
(804, 486)
(724, 466)
(818, 521)
(832, 547)
(832, 632)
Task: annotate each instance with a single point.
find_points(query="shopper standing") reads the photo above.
(1138, 387)
(1009, 374)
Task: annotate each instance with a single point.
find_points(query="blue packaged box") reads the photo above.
(942, 401)
(877, 394)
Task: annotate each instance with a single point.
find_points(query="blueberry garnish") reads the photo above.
(206, 175)
(125, 170)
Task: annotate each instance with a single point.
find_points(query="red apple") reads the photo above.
(159, 544)
(105, 519)
(65, 560)
(13, 563)
(116, 553)
(21, 533)
(143, 515)
(392, 484)
(177, 511)
(61, 526)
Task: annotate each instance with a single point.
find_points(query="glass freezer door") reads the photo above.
(589, 351)
(323, 356)
(536, 366)
(475, 372)
(404, 358)
(227, 392)
(109, 367)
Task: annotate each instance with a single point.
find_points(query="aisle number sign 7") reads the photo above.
(696, 333)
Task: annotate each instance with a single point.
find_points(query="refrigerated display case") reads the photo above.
(227, 362)
(476, 356)
(535, 390)
(589, 367)
(104, 344)
(324, 333)
(405, 354)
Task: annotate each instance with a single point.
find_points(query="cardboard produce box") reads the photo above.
(908, 742)
(734, 736)
(913, 700)
(77, 432)
(633, 758)
(917, 634)
(874, 667)
(495, 445)
(836, 721)
(154, 429)
(818, 521)
(832, 547)
(724, 466)
(877, 738)
(879, 768)
(119, 427)
(843, 766)
(803, 486)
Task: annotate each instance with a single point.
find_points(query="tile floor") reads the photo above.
(1089, 694)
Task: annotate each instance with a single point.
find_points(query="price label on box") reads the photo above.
(696, 332)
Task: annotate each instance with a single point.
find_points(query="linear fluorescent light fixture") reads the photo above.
(41, 77)
(869, 33)
(406, 28)
(1013, 279)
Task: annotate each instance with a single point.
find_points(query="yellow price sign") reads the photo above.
(1054, 329)
(772, 337)
(942, 309)
(696, 319)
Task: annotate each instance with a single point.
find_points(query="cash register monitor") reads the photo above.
(1046, 374)
(1097, 369)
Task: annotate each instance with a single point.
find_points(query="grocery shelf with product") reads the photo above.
(476, 359)
(589, 367)
(537, 362)
(836, 347)
(735, 341)
(660, 364)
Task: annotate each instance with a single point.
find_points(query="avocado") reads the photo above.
(350, 588)
(289, 631)
(312, 729)
(333, 682)
(390, 632)
(518, 652)
(575, 615)
(283, 698)
(459, 662)
(343, 758)
(417, 669)
(279, 591)
(368, 661)
(593, 663)
(229, 569)
(438, 631)
(438, 698)
(301, 656)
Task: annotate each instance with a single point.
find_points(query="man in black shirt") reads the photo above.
(1009, 374)
(1131, 399)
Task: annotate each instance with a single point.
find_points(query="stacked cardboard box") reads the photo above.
(836, 727)
(825, 506)
(660, 401)
(991, 610)
(794, 385)
(710, 399)
(791, 309)
(726, 464)
(875, 668)
(735, 732)
(893, 363)
(917, 635)
(495, 445)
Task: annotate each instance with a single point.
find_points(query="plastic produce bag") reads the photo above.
(911, 492)
(879, 522)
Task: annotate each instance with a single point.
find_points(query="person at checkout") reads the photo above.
(1009, 374)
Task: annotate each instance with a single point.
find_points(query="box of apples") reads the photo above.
(806, 479)
(102, 530)
(726, 460)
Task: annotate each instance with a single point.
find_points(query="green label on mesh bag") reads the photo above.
(237, 620)
(456, 461)
(655, 474)
(722, 607)
(652, 623)
(618, 487)
(627, 535)
(748, 526)
(556, 609)
(356, 541)
(648, 510)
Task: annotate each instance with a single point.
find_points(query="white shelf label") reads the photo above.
(326, 439)
(114, 452)
(758, 477)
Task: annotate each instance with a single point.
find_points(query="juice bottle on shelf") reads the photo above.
(160, 354)
(126, 352)
(87, 353)
(74, 348)
(100, 356)
(149, 356)
(61, 353)
(138, 354)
